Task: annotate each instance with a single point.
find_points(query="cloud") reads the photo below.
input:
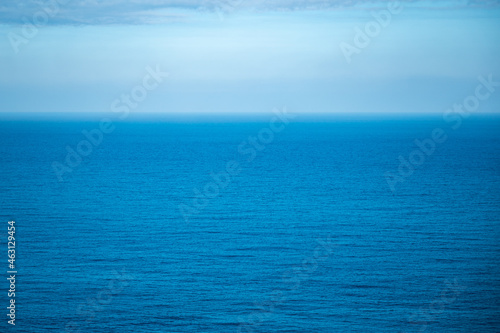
(99, 12)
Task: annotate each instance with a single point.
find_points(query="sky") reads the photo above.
(246, 56)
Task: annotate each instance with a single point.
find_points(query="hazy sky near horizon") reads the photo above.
(247, 56)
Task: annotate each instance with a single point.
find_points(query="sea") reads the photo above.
(273, 224)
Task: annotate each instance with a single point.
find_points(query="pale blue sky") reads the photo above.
(250, 57)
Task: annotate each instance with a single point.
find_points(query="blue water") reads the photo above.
(307, 237)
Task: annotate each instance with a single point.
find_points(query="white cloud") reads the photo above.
(79, 12)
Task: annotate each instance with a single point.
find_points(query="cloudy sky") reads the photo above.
(242, 56)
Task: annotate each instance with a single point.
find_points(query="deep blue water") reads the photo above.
(307, 237)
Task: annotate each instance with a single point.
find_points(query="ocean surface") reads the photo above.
(150, 233)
